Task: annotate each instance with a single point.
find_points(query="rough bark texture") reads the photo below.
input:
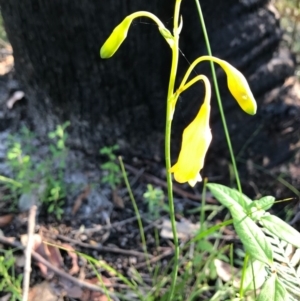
(56, 47)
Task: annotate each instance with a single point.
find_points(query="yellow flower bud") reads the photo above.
(116, 38)
(119, 34)
(239, 88)
(237, 83)
(196, 139)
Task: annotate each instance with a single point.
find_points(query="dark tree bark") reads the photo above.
(56, 49)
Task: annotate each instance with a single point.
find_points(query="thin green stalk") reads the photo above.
(102, 264)
(203, 203)
(219, 97)
(137, 213)
(231, 255)
(246, 260)
(169, 115)
(10, 181)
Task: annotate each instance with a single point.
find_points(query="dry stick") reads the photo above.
(152, 224)
(106, 227)
(155, 259)
(28, 250)
(36, 256)
(99, 247)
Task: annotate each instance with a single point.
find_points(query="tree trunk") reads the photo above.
(122, 100)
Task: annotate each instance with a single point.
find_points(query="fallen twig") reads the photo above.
(105, 227)
(155, 259)
(36, 256)
(98, 247)
(28, 251)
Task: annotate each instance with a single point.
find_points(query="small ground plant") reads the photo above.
(38, 177)
(154, 197)
(111, 168)
(10, 281)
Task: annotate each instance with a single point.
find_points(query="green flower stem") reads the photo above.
(238, 182)
(203, 203)
(148, 15)
(246, 260)
(194, 64)
(193, 81)
(137, 212)
(169, 116)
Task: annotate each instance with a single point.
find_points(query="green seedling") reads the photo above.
(55, 183)
(9, 281)
(111, 169)
(155, 200)
(38, 180)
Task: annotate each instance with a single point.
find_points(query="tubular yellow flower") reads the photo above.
(196, 139)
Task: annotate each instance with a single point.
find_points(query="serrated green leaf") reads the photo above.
(252, 237)
(256, 273)
(281, 229)
(268, 290)
(228, 196)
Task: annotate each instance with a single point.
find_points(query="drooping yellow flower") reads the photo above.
(196, 139)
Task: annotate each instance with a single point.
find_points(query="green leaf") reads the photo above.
(268, 290)
(51, 208)
(60, 144)
(12, 155)
(115, 147)
(264, 203)
(256, 273)
(280, 292)
(205, 246)
(104, 150)
(211, 230)
(252, 237)
(66, 124)
(59, 131)
(52, 135)
(281, 229)
(53, 149)
(228, 196)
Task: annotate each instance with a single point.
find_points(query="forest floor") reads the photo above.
(98, 231)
